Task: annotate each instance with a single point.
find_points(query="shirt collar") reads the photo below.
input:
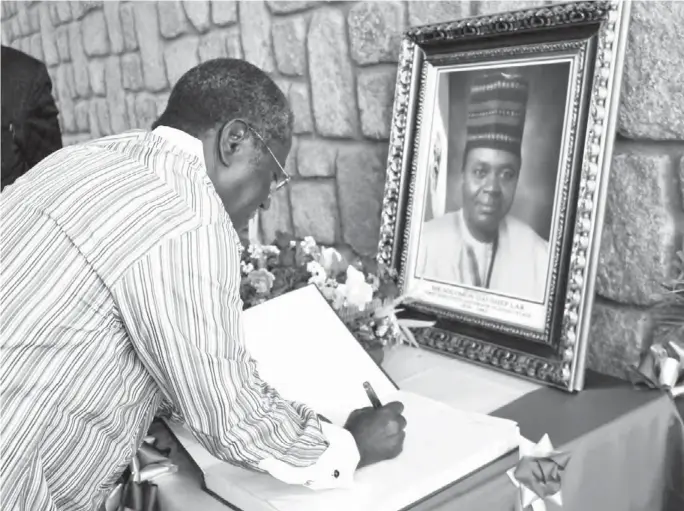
(184, 141)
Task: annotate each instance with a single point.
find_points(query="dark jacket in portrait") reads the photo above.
(30, 128)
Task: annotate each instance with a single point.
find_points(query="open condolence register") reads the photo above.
(306, 353)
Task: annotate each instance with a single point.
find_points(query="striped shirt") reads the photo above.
(120, 292)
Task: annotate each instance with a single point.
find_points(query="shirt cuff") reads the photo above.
(334, 469)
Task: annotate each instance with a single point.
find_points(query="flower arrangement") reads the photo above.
(363, 293)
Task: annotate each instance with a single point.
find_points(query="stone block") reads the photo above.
(7, 32)
(255, 28)
(283, 85)
(145, 109)
(93, 121)
(66, 103)
(278, 217)
(130, 111)
(128, 26)
(80, 60)
(212, 46)
(301, 108)
(375, 92)
(151, 47)
(47, 32)
(161, 101)
(289, 44)
(291, 161)
(24, 22)
(375, 30)
(424, 13)
(36, 46)
(361, 183)
(652, 104)
(81, 111)
(16, 29)
(69, 76)
(131, 72)
(115, 94)
(617, 337)
(77, 9)
(332, 78)
(198, 12)
(316, 158)
(314, 210)
(234, 45)
(63, 11)
(104, 121)
(67, 121)
(284, 7)
(5, 37)
(224, 12)
(172, 20)
(96, 72)
(95, 38)
(637, 244)
(180, 56)
(52, 8)
(494, 6)
(34, 18)
(113, 22)
(62, 42)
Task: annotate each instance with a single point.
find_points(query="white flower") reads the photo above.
(339, 296)
(308, 244)
(246, 268)
(255, 251)
(271, 250)
(356, 290)
(330, 258)
(318, 275)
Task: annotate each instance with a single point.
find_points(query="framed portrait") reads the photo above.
(500, 150)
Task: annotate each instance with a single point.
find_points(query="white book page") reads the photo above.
(442, 446)
(307, 354)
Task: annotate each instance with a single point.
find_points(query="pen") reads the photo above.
(372, 395)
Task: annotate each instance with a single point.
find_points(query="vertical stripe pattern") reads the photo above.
(120, 292)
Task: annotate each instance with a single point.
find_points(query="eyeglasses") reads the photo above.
(284, 178)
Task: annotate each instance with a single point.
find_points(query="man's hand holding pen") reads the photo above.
(379, 430)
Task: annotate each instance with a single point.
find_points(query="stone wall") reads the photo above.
(113, 64)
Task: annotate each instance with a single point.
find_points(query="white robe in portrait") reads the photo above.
(520, 263)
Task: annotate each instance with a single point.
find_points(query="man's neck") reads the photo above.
(477, 235)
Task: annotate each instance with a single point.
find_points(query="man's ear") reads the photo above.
(231, 137)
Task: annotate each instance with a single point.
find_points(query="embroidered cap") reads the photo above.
(496, 111)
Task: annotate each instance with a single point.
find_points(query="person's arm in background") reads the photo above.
(182, 308)
(41, 134)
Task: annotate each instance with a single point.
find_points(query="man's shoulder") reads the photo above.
(13, 57)
(447, 223)
(522, 232)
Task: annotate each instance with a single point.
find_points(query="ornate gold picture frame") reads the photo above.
(500, 151)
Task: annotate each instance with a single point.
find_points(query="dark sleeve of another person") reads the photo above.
(41, 132)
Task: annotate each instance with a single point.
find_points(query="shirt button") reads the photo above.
(336, 474)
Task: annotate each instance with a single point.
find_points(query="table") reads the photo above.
(627, 446)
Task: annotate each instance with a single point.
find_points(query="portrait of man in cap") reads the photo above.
(481, 244)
